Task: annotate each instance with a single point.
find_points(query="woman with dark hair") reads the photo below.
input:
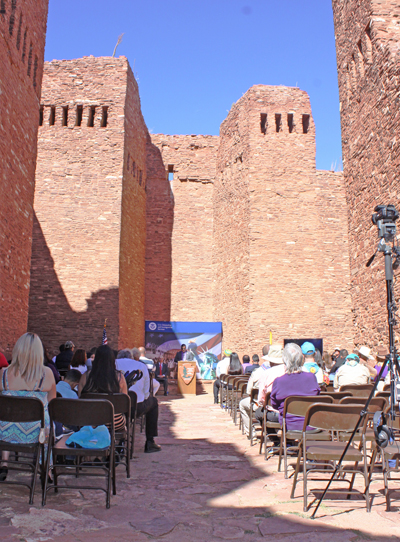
(78, 360)
(104, 378)
(235, 367)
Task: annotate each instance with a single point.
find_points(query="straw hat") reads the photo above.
(364, 352)
(381, 352)
(274, 355)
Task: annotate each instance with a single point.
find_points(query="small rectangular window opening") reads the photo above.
(140, 177)
(65, 116)
(41, 115)
(104, 117)
(30, 59)
(24, 45)
(35, 68)
(12, 17)
(290, 122)
(134, 168)
(368, 43)
(92, 113)
(2, 7)
(79, 115)
(19, 32)
(306, 123)
(263, 123)
(278, 121)
(170, 172)
(52, 117)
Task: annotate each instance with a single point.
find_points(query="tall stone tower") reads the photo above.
(88, 257)
(367, 46)
(22, 40)
(280, 232)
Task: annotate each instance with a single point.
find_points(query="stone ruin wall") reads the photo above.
(189, 162)
(367, 46)
(280, 232)
(89, 232)
(22, 41)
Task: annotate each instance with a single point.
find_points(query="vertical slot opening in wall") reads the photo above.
(79, 115)
(12, 17)
(30, 59)
(92, 113)
(24, 45)
(19, 32)
(2, 7)
(263, 123)
(278, 122)
(104, 117)
(52, 117)
(368, 43)
(306, 123)
(290, 122)
(65, 116)
(35, 68)
(170, 172)
(41, 109)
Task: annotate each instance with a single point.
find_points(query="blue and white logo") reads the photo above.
(152, 326)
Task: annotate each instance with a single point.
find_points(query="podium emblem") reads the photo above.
(187, 372)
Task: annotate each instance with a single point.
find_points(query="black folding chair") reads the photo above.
(24, 410)
(82, 412)
(133, 398)
(122, 405)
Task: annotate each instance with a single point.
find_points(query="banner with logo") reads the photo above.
(203, 341)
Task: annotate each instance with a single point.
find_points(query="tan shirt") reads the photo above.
(351, 375)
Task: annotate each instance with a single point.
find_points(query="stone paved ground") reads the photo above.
(206, 484)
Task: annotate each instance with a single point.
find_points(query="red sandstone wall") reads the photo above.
(191, 159)
(270, 225)
(22, 40)
(367, 43)
(89, 237)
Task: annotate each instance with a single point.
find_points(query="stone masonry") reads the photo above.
(280, 233)
(367, 45)
(90, 224)
(22, 40)
(189, 162)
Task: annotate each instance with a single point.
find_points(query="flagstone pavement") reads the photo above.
(206, 484)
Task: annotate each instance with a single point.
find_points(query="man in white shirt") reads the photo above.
(221, 369)
(244, 405)
(146, 403)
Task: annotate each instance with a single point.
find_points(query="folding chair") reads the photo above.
(224, 389)
(236, 394)
(361, 390)
(81, 412)
(320, 457)
(242, 393)
(253, 420)
(133, 398)
(122, 405)
(275, 431)
(23, 410)
(336, 395)
(391, 452)
(297, 405)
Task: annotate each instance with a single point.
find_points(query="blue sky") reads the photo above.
(194, 59)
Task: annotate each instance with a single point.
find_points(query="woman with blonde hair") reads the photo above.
(26, 377)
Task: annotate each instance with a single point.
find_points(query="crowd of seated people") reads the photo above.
(33, 373)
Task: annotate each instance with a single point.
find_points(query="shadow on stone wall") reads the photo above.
(160, 221)
(50, 314)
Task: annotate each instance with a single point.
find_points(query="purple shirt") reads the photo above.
(292, 384)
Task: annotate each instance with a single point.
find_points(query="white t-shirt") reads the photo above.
(142, 386)
(222, 367)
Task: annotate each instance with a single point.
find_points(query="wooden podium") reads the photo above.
(187, 377)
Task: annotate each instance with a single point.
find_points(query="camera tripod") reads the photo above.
(391, 360)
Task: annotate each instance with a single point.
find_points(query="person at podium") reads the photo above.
(182, 354)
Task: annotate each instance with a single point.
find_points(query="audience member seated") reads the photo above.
(48, 362)
(255, 364)
(310, 364)
(64, 358)
(144, 359)
(364, 353)
(79, 360)
(235, 367)
(26, 377)
(68, 388)
(104, 378)
(246, 362)
(3, 361)
(272, 368)
(338, 362)
(161, 374)
(61, 349)
(353, 372)
(146, 403)
(244, 405)
(294, 382)
(221, 369)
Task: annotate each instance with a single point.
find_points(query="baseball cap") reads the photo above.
(307, 347)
